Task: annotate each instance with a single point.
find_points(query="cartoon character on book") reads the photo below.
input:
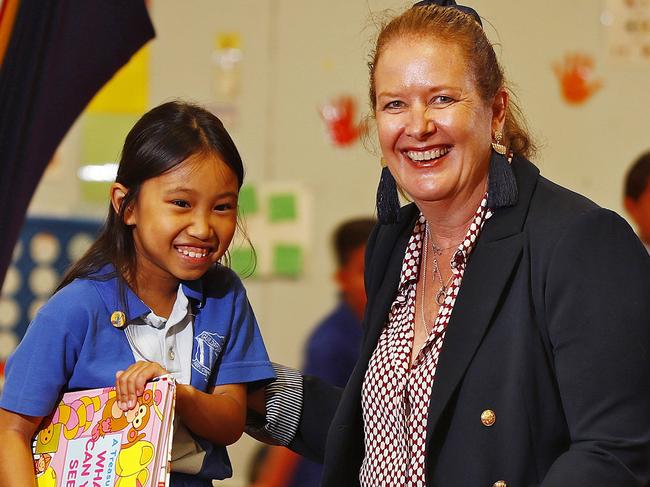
(45, 474)
(132, 463)
(114, 419)
(76, 418)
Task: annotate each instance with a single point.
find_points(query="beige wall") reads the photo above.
(299, 53)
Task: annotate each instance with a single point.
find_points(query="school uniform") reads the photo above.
(71, 344)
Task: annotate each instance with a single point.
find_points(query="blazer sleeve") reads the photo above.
(597, 306)
(319, 404)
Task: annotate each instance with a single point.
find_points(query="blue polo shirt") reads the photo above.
(71, 345)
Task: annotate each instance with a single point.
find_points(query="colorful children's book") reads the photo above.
(89, 441)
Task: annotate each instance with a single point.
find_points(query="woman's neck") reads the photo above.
(448, 220)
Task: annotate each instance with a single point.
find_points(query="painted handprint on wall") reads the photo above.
(575, 73)
(339, 115)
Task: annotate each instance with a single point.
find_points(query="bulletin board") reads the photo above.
(45, 249)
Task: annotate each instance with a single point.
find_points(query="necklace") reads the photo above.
(442, 292)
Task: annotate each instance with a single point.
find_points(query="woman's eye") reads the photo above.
(442, 100)
(181, 203)
(393, 105)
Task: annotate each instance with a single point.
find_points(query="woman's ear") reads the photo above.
(118, 194)
(499, 109)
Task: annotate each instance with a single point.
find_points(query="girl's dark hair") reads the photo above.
(450, 25)
(163, 138)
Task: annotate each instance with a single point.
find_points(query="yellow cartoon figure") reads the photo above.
(45, 475)
(47, 440)
(77, 416)
(131, 465)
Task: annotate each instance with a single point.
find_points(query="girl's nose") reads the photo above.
(420, 123)
(200, 227)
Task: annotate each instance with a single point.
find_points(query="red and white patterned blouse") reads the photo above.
(395, 394)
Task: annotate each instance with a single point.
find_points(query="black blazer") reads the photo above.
(550, 331)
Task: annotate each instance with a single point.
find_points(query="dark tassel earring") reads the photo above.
(387, 198)
(502, 189)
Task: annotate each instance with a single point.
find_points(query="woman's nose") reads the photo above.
(420, 123)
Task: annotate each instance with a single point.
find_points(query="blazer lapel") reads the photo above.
(486, 276)
(483, 284)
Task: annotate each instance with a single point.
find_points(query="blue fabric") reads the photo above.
(331, 353)
(72, 345)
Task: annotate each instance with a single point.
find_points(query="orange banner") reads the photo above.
(7, 18)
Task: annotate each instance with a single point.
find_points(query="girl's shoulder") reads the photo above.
(77, 299)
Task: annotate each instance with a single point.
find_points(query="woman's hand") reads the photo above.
(129, 383)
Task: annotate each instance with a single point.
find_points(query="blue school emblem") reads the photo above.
(208, 348)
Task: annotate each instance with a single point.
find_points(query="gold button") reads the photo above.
(488, 418)
(118, 319)
(500, 483)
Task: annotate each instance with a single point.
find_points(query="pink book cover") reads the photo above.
(88, 441)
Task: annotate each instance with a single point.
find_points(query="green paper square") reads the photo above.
(103, 136)
(242, 261)
(287, 260)
(282, 207)
(247, 201)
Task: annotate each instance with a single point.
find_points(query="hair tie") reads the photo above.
(453, 4)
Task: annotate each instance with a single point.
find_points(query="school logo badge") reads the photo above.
(208, 348)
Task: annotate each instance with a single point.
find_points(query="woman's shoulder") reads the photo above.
(552, 199)
(558, 215)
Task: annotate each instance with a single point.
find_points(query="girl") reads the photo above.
(149, 298)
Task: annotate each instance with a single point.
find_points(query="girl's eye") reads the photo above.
(181, 203)
(224, 207)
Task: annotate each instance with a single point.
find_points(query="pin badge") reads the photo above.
(118, 319)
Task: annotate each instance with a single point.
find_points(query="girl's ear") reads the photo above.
(118, 194)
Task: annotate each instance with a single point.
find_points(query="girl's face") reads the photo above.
(434, 128)
(184, 219)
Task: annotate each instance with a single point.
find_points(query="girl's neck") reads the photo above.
(158, 294)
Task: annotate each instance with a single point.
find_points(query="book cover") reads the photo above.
(89, 441)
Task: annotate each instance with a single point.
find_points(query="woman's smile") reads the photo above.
(426, 157)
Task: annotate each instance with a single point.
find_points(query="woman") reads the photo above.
(507, 327)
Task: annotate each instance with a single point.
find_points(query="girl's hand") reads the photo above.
(129, 383)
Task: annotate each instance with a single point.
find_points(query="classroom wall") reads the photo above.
(297, 54)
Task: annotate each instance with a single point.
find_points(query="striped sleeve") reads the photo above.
(283, 408)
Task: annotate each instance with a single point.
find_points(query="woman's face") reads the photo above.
(434, 129)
